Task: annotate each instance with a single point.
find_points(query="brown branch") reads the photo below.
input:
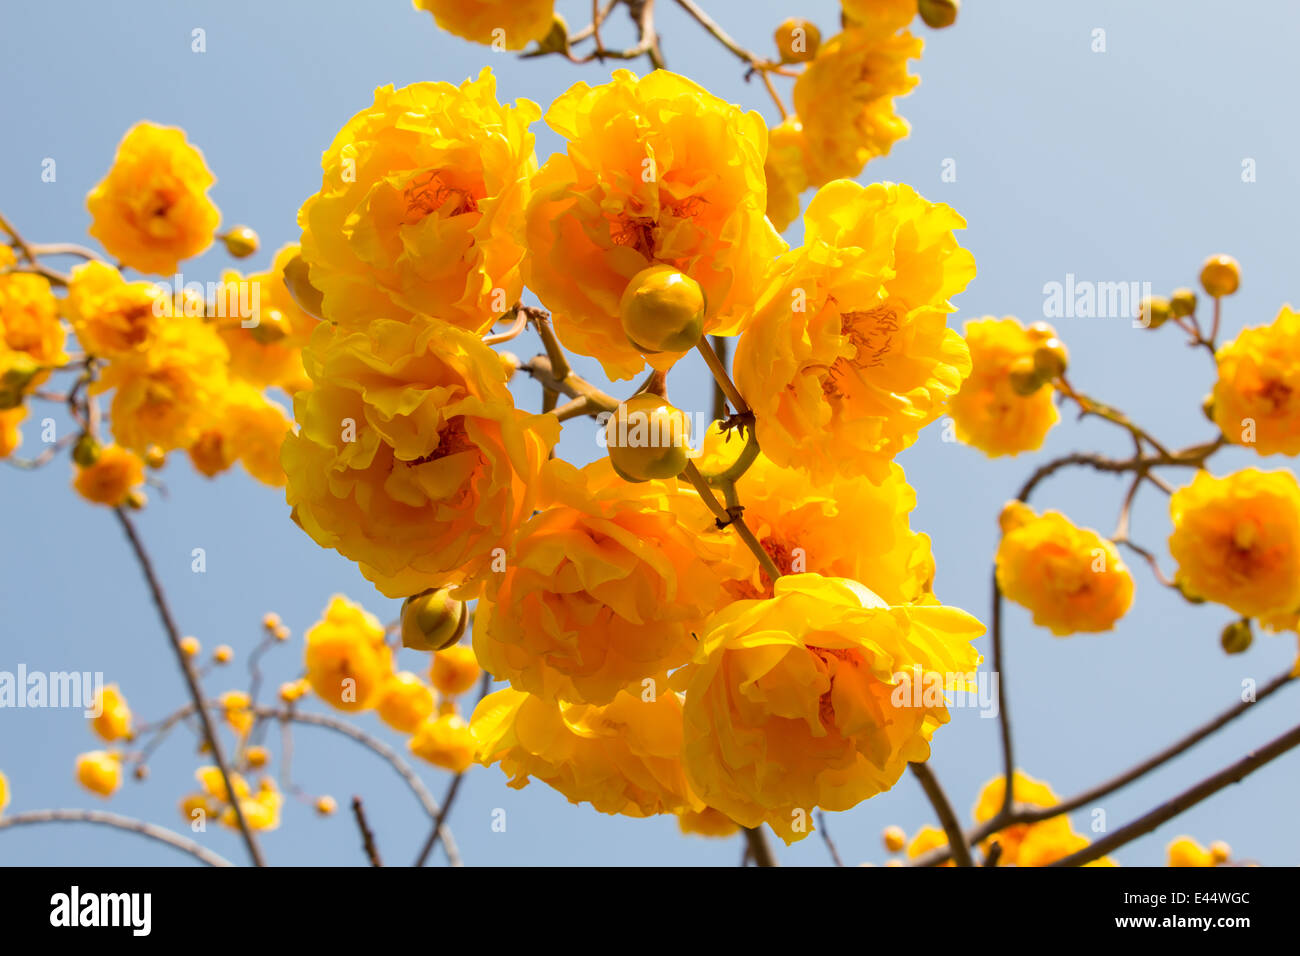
(367, 835)
(947, 819)
(1207, 788)
(720, 376)
(757, 848)
(191, 681)
(118, 822)
(826, 838)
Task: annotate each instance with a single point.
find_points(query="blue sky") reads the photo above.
(1123, 165)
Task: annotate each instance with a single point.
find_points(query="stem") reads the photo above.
(948, 819)
(1207, 788)
(759, 850)
(367, 835)
(191, 681)
(439, 820)
(719, 396)
(1004, 718)
(720, 376)
(118, 822)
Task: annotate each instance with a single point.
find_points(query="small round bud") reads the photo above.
(662, 310)
(296, 279)
(155, 457)
(1040, 332)
(433, 620)
(894, 838)
(241, 242)
(22, 370)
(1154, 312)
(939, 13)
(224, 654)
(1014, 514)
(281, 633)
(1182, 302)
(797, 40)
(191, 646)
(1220, 275)
(1220, 852)
(647, 438)
(1051, 359)
(270, 620)
(1024, 376)
(326, 805)
(272, 326)
(86, 451)
(1207, 406)
(257, 757)
(557, 38)
(141, 771)
(1236, 637)
(135, 499)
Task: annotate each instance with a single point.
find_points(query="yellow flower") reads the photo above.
(817, 697)
(928, 838)
(242, 425)
(501, 24)
(445, 742)
(657, 170)
(707, 822)
(1257, 396)
(806, 528)
(786, 172)
(29, 321)
(111, 479)
(268, 353)
(114, 720)
(152, 209)
(110, 315)
(1237, 540)
(162, 393)
(420, 207)
(10, 436)
(987, 411)
(100, 772)
(622, 757)
(603, 590)
(455, 670)
(347, 661)
(236, 709)
(849, 355)
(1184, 851)
(1071, 578)
(411, 458)
(405, 702)
(4, 792)
(261, 810)
(1024, 790)
(845, 98)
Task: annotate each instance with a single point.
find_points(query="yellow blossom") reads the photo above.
(501, 24)
(29, 321)
(445, 742)
(10, 436)
(1237, 540)
(621, 757)
(242, 425)
(988, 412)
(455, 670)
(405, 702)
(411, 458)
(114, 719)
(113, 476)
(236, 709)
(1257, 396)
(656, 170)
(347, 661)
(849, 355)
(420, 207)
(152, 209)
(814, 698)
(786, 172)
(110, 315)
(707, 822)
(100, 772)
(1071, 578)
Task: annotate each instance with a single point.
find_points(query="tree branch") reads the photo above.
(118, 822)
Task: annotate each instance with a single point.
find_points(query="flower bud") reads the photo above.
(1040, 332)
(939, 13)
(86, 450)
(155, 457)
(1024, 376)
(326, 805)
(1051, 359)
(135, 499)
(647, 438)
(1154, 312)
(1220, 852)
(1207, 406)
(662, 310)
(257, 757)
(15, 380)
(432, 620)
(797, 40)
(271, 327)
(894, 838)
(557, 38)
(1220, 275)
(1236, 637)
(296, 279)
(241, 242)
(1182, 302)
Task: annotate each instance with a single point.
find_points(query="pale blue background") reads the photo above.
(1115, 166)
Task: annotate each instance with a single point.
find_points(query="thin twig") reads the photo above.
(210, 736)
(759, 850)
(947, 819)
(118, 822)
(367, 835)
(826, 838)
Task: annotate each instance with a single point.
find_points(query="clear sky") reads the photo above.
(1115, 166)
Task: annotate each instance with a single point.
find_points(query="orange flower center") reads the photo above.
(429, 192)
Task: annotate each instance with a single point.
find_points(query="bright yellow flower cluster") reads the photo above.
(1257, 397)
(1071, 578)
(501, 24)
(988, 411)
(261, 809)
